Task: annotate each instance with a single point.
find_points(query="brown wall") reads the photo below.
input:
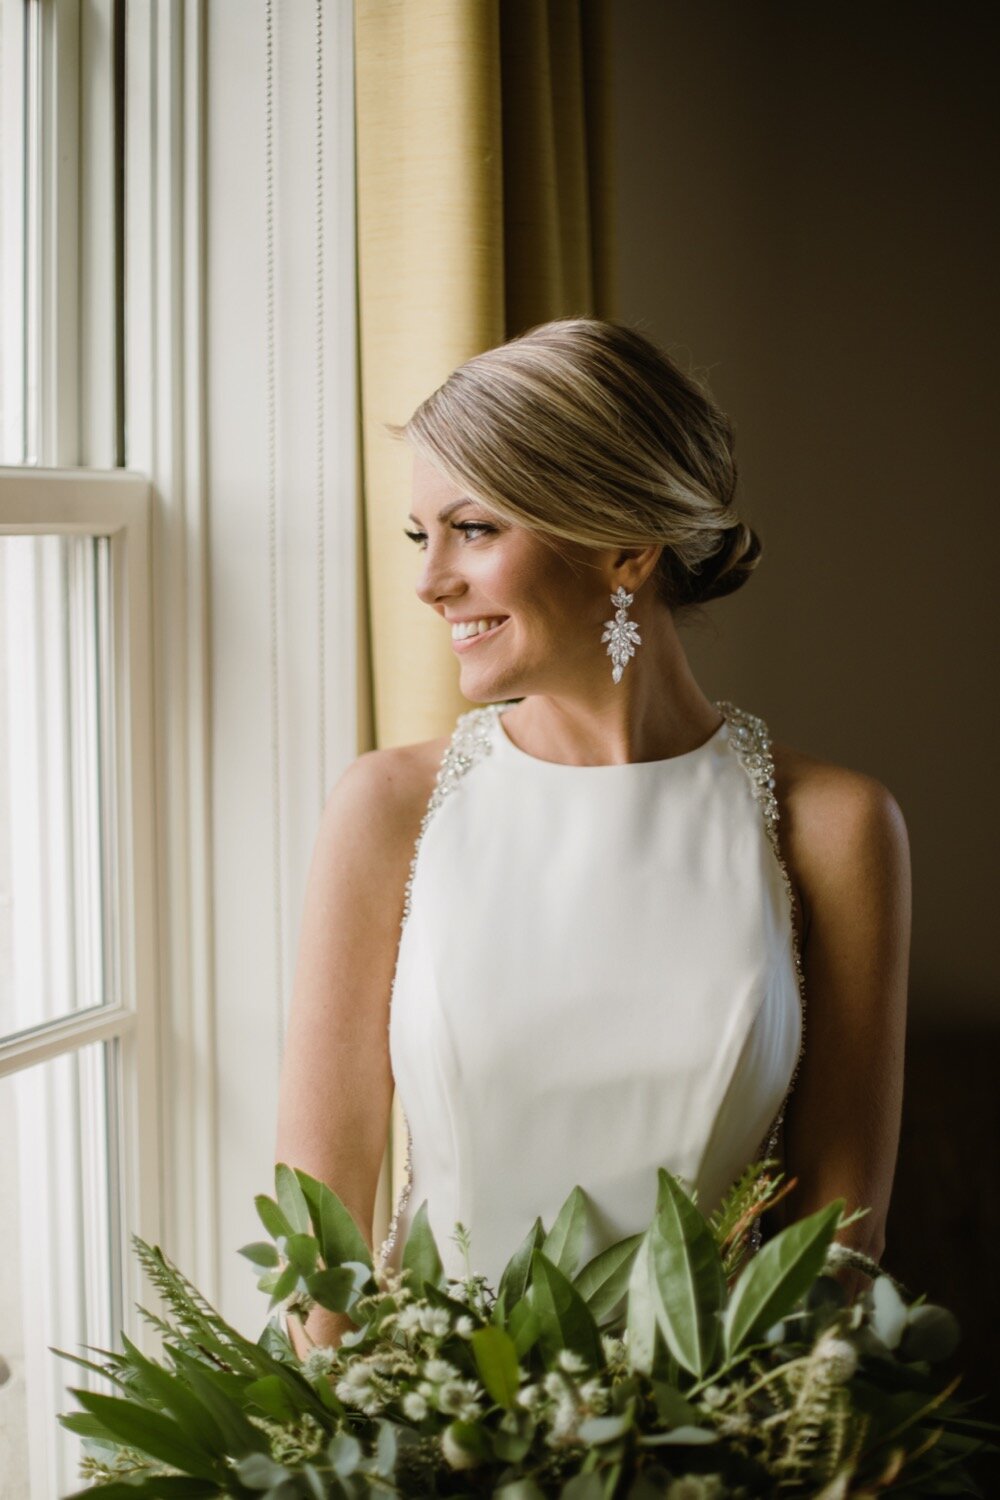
(807, 211)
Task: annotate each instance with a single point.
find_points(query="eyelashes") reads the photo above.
(420, 537)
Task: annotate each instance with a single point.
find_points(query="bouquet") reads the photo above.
(675, 1363)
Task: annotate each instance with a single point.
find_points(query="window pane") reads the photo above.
(13, 229)
(56, 805)
(60, 1263)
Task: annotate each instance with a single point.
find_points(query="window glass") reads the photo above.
(57, 835)
(58, 1205)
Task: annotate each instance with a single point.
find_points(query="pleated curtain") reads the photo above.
(484, 207)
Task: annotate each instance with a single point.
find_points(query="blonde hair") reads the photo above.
(583, 429)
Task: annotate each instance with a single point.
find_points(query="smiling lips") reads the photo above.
(465, 643)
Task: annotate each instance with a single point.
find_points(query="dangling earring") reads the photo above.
(620, 633)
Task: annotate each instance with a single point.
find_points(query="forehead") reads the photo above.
(430, 485)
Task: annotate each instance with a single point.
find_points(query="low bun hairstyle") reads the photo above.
(583, 429)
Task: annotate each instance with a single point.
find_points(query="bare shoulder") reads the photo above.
(841, 829)
(386, 792)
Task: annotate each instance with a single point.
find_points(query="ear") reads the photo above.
(630, 567)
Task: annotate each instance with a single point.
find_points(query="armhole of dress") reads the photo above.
(752, 742)
(471, 739)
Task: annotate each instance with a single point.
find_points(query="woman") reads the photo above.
(615, 894)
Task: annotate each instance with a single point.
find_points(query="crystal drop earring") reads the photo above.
(621, 633)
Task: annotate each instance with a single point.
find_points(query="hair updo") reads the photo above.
(582, 428)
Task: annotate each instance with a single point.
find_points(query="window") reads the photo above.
(79, 1080)
(78, 1068)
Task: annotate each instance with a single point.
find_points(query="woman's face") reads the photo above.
(545, 604)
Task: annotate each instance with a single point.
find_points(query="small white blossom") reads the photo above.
(554, 1383)
(451, 1396)
(415, 1406)
(839, 1358)
(439, 1369)
(571, 1361)
(695, 1487)
(614, 1348)
(435, 1320)
(408, 1319)
(319, 1361)
(465, 1327)
(529, 1396)
(713, 1396)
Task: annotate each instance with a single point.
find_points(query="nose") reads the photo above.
(437, 581)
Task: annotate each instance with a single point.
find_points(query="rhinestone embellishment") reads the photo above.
(750, 739)
(470, 741)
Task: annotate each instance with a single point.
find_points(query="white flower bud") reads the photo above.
(457, 1456)
(415, 1406)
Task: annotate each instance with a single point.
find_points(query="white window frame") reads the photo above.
(113, 504)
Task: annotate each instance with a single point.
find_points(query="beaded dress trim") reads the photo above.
(473, 738)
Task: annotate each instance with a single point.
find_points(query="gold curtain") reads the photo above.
(484, 207)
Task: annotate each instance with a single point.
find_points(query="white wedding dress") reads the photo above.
(598, 974)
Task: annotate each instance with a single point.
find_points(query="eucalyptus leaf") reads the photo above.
(583, 1487)
(564, 1240)
(288, 1191)
(302, 1252)
(258, 1471)
(344, 1453)
(420, 1253)
(776, 1278)
(272, 1217)
(339, 1237)
(334, 1289)
(496, 1359)
(605, 1429)
(888, 1312)
(679, 1435)
(603, 1281)
(519, 1489)
(564, 1318)
(261, 1253)
(689, 1283)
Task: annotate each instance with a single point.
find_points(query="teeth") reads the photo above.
(472, 627)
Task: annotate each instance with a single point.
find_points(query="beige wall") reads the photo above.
(806, 212)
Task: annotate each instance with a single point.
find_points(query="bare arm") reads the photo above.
(336, 1084)
(847, 844)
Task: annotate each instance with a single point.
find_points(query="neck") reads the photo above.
(656, 711)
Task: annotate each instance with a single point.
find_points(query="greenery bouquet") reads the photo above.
(676, 1363)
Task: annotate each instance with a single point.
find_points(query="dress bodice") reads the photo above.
(598, 974)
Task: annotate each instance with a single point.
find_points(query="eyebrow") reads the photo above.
(447, 510)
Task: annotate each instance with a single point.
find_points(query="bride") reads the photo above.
(582, 933)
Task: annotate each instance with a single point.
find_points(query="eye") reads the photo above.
(420, 537)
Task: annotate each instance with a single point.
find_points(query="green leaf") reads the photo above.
(157, 1487)
(564, 1240)
(496, 1358)
(288, 1191)
(583, 1487)
(172, 1392)
(471, 1437)
(680, 1435)
(521, 1489)
(603, 1281)
(152, 1432)
(564, 1318)
(779, 1274)
(641, 1313)
(420, 1253)
(688, 1281)
(273, 1398)
(339, 1237)
(222, 1394)
(523, 1326)
(272, 1217)
(302, 1252)
(514, 1280)
(672, 1407)
(605, 1429)
(344, 1453)
(285, 1285)
(261, 1253)
(333, 1289)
